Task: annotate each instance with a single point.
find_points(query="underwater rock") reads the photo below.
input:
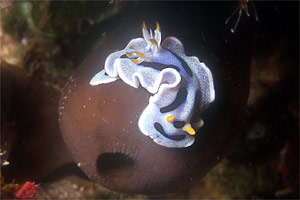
(100, 124)
(30, 135)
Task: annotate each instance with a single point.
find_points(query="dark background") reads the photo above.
(264, 160)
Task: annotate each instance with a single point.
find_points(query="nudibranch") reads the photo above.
(181, 86)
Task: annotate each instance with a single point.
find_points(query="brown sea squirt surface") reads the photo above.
(100, 123)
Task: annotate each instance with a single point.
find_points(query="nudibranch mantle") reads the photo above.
(181, 85)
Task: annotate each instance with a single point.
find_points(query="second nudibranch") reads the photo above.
(181, 85)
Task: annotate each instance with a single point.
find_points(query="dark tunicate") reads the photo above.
(100, 124)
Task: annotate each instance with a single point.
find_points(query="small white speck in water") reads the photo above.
(104, 101)
(84, 106)
(81, 188)
(65, 97)
(105, 120)
(5, 163)
(90, 98)
(75, 186)
(24, 41)
(2, 153)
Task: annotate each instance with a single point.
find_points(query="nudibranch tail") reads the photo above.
(101, 78)
(181, 86)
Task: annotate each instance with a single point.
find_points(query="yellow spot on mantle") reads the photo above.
(129, 54)
(136, 61)
(171, 119)
(190, 130)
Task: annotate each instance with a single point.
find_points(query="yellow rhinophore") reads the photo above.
(153, 41)
(190, 130)
(144, 25)
(131, 47)
(157, 26)
(171, 119)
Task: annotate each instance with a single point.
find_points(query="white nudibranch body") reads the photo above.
(181, 85)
